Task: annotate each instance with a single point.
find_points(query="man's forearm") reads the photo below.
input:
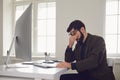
(69, 55)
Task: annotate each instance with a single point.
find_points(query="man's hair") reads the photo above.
(76, 24)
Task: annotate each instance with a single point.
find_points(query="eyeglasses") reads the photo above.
(73, 33)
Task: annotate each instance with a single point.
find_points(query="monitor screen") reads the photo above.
(23, 35)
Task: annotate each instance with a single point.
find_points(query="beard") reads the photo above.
(80, 40)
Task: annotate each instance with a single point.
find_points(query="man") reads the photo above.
(88, 56)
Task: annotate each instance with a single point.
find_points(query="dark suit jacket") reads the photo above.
(95, 62)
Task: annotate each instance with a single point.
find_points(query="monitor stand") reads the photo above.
(8, 52)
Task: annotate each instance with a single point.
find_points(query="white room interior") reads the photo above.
(91, 12)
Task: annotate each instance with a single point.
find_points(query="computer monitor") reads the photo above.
(23, 33)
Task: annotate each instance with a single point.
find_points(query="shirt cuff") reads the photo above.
(73, 66)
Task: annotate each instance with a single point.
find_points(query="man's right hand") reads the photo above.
(71, 41)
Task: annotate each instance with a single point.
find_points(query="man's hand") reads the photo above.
(71, 41)
(64, 65)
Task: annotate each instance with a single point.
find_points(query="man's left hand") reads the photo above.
(64, 65)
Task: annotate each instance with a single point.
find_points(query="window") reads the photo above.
(112, 27)
(46, 27)
(20, 10)
(44, 24)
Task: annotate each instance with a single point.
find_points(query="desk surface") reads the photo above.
(30, 71)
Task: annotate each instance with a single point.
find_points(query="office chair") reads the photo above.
(110, 62)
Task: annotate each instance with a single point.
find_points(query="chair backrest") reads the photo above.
(110, 62)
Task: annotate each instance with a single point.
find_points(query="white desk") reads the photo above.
(29, 72)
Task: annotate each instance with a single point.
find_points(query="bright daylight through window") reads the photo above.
(44, 24)
(112, 27)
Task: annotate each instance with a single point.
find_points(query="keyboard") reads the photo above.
(43, 64)
(28, 63)
(46, 65)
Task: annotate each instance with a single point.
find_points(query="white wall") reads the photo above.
(5, 27)
(7, 23)
(1, 30)
(91, 12)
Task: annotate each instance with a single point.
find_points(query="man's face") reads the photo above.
(73, 32)
(77, 34)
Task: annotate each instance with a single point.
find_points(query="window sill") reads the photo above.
(113, 55)
(12, 59)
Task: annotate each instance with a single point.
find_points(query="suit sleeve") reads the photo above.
(69, 55)
(98, 50)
